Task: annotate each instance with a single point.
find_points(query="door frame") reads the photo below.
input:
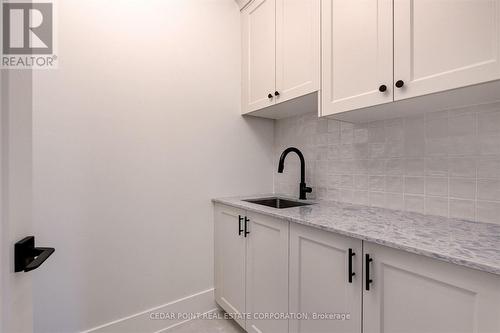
(16, 165)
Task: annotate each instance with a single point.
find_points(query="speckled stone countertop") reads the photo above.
(472, 244)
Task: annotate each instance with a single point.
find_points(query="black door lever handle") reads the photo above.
(28, 257)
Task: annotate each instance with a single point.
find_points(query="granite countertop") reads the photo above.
(471, 244)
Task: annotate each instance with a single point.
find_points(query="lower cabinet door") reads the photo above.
(319, 281)
(415, 294)
(267, 274)
(230, 249)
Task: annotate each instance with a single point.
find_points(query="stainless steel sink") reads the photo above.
(276, 202)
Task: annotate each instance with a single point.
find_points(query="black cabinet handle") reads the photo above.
(270, 96)
(246, 226)
(276, 93)
(27, 257)
(240, 227)
(382, 88)
(400, 84)
(368, 281)
(351, 273)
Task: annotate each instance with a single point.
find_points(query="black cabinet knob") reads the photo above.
(400, 83)
(276, 93)
(382, 88)
(270, 96)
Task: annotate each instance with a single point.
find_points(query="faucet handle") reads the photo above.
(308, 189)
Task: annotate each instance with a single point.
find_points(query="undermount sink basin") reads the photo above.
(278, 202)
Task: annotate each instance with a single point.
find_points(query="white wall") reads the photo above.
(443, 163)
(133, 135)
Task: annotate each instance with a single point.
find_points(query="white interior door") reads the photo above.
(258, 55)
(230, 249)
(267, 273)
(319, 280)
(357, 57)
(416, 294)
(16, 305)
(297, 48)
(444, 44)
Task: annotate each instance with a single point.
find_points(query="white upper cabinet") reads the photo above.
(280, 52)
(408, 48)
(259, 46)
(297, 48)
(443, 44)
(357, 48)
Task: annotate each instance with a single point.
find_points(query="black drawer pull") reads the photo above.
(246, 226)
(351, 273)
(368, 281)
(240, 227)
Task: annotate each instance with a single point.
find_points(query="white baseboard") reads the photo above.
(202, 302)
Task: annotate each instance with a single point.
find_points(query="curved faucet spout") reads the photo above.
(281, 166)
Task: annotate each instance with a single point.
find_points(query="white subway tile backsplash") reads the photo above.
(462, 125)
(436, 206)
(488, 211)
(361, 135)
(489, 122)
(436, 186)
(463, 188)
(377, 183)
(488, 189)
(361, 182)
(414, 167)
(346, 132)
(395, 184)
(462, 209)
(414, 185)
(361, 198)
(395, 201)
(346, 181)
(489, 144)
(444, 163)
(462, 167)
(395, 166)
(436, 128)
(488, 168)
(414, 203)
(377, 199)
(436, 166)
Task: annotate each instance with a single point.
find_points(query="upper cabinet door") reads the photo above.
(445, 44)
(297, 48)
(357, 54)
(258, 55)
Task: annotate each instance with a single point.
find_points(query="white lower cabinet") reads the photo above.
(265, 265)
(410, 293)
(267, 273)
(251, 268)
(319, 280)
(230, 251)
